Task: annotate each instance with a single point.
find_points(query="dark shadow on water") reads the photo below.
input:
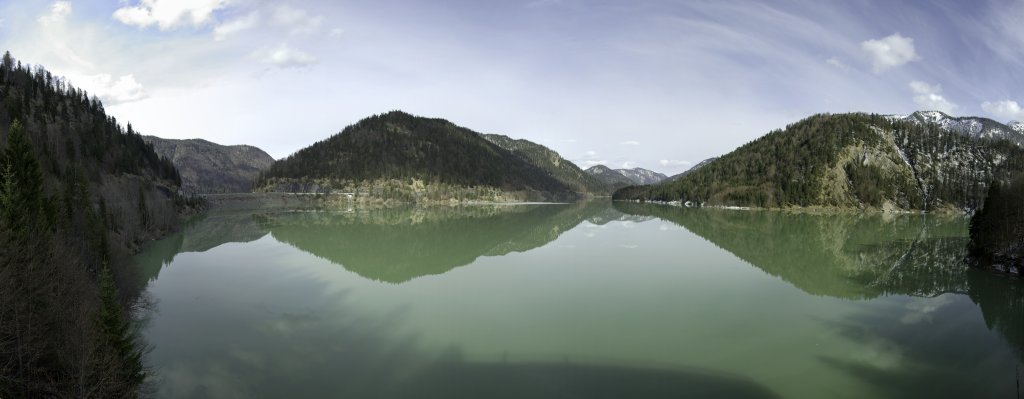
(540, 380)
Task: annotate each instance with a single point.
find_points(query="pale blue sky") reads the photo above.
(656, 84)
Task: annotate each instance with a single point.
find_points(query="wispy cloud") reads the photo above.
(629, 142)
(234, 26)
(284, 56)
(838, 63)
(169, 14)
(929, 98)
(113, 91)
(296, 20)
(1005, 109)
(674, 163)
(59, 12)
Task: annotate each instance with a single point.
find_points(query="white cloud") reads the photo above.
(673, 163)
(124, 89)
(628, 165)
(231, 27)
(590, 158)
(929, 97)
(630, 142)
(838, 63)
(59, 12)
(1006, 109)
(890, 51)
(298, 21)
(336, 32)
(286, 57)
(168, 14)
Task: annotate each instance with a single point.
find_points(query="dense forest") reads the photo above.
(849, 161)
(78, 193)
(398, 146)
(997, 229)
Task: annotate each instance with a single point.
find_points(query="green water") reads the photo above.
(584, 300)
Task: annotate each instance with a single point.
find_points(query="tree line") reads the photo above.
(78, 193)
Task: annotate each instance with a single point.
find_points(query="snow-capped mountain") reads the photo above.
(617, 178)
(642, 176)
(971, 126)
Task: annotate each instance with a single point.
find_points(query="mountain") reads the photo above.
(692, 169)
(78, 193)
(207, 167)
(642, 176)
(971, 126)
(609, 177)
(854, 161)
(551, 162)
(409, 158)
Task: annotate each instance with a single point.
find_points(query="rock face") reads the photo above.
(208, 168)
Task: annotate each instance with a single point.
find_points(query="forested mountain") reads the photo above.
(207, 167)
(549, 160)
(971, 126)
(642, 176)
(78, 192)
(428, 158)
(851, 161)
(693, 169)
(609, 177)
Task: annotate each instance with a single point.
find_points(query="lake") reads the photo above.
(586, 300)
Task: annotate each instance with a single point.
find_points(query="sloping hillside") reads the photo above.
(207, 167)
(549, 160)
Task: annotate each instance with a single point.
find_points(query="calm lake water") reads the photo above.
(585, 300)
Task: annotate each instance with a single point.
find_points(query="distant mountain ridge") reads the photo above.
(609, 177)
(618, 178)
(642, 176)
(924, 161)
(208, 167)
(972, 126)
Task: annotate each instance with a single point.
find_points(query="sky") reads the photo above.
(631, 83)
